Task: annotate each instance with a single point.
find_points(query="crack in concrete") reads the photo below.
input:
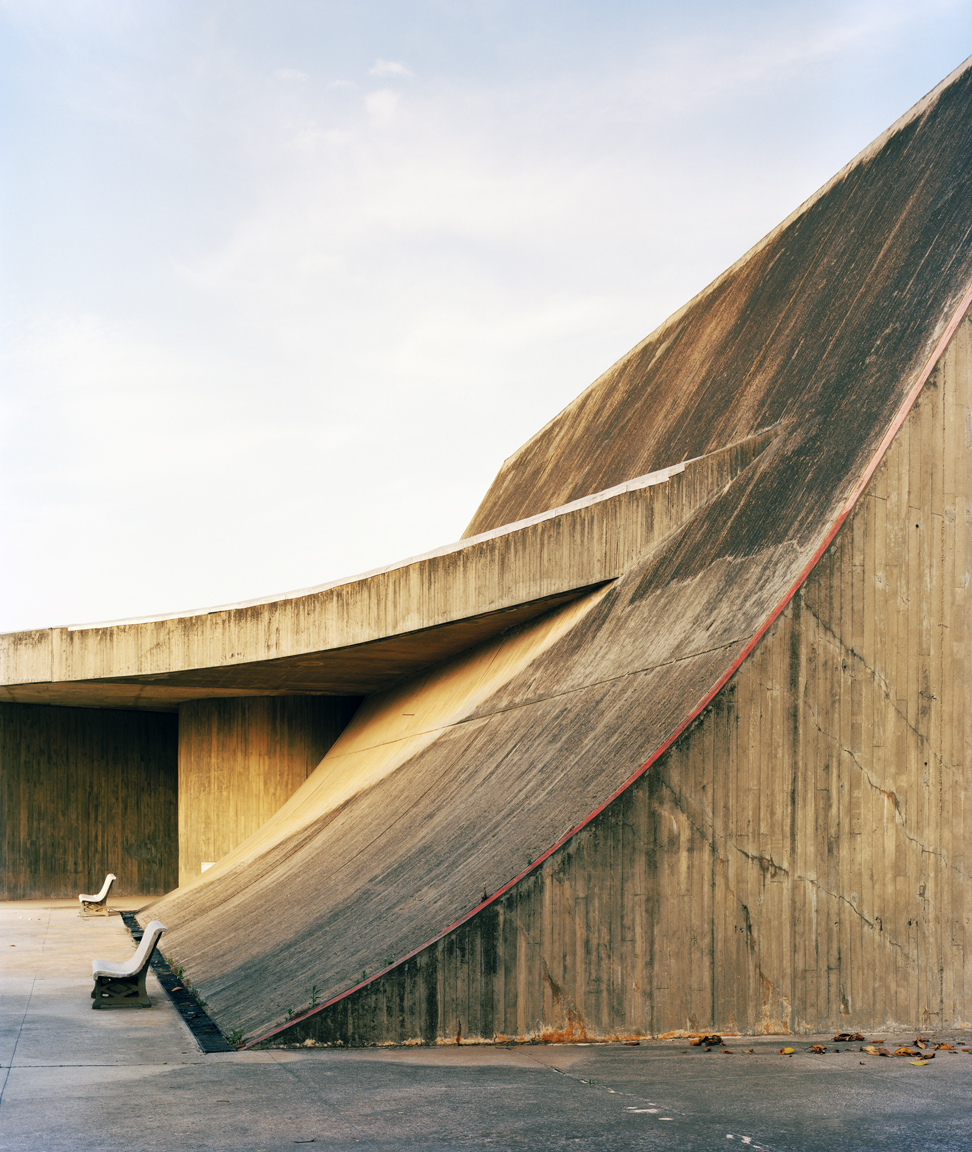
(842, 900)
(765, 862)
(888, 795)
(878, 679)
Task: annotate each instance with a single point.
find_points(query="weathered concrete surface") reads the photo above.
(831, 328)
(84, 793)
(386, 732)
(72, 1079)
(241, 760)
(798, 858)
(233, 777)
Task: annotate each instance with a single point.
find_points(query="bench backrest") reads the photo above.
(109, 880)
(143, 954)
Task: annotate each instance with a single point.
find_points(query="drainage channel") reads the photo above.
(207, 1035)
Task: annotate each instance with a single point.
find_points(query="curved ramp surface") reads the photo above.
(828, 329)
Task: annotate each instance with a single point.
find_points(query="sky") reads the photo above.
(283, 282)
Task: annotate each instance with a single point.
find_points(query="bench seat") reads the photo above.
(123, 985)
(97, 905)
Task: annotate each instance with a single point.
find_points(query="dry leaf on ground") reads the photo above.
(818, 1048)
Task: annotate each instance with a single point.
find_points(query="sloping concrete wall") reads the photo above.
(831, 328)
(241, 758)
(434, 814)
(797, 861)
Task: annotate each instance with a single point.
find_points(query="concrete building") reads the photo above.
(676, 737)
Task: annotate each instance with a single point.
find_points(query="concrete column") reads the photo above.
(240, 759)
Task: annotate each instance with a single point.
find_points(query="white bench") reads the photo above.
(123, 985)
(98, 905)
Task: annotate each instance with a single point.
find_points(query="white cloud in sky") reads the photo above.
(260, 335)
(390, 68)
(382, 106)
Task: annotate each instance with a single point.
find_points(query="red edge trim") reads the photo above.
(849, 503)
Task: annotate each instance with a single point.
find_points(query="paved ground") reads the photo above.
(73, 1079)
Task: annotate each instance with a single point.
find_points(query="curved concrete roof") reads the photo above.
(354, 636)
(827, 330)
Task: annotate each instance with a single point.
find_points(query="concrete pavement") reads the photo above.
(73, 1079)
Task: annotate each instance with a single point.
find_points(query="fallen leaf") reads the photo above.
(818, 1048)
(873, 1050)
(632, 1043)
(945, 1047)
(787, 1051)
(917, 1063)
(848, 1037)
(750, 1051)
(922, 1042)
(709, 1041)
(903, 1051)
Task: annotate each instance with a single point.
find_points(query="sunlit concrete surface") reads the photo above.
(133, 1080)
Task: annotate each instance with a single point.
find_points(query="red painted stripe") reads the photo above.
(707, 699)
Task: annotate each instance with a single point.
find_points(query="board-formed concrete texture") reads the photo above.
(675, 739)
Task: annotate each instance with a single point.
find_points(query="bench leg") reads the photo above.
(88, 908)
(120, 992)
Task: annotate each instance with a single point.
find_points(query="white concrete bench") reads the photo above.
(98, 905)
(123, 985)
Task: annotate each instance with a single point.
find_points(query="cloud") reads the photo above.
(381, 106)
(291, 74)
(390, 68)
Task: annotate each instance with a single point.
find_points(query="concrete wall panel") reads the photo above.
(84, 792)
(241, 760)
